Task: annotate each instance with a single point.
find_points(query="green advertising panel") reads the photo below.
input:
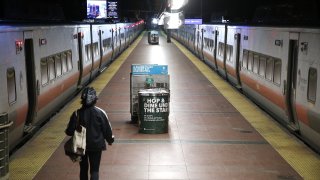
(153, 111)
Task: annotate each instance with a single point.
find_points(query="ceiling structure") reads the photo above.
(209, 10)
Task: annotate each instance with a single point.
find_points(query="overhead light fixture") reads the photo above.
(173, 20)
(177, 4)
(155, 21)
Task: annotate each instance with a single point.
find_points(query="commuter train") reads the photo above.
(43, 66)
(276, 67)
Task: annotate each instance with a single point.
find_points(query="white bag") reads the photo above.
(79, 139)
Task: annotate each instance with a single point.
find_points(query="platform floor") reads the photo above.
(214, 132)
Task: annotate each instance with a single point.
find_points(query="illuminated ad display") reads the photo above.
(96, 9)
(112, 9)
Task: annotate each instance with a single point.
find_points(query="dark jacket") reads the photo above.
(98, 128)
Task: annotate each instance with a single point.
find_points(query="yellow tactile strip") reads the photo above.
(302, 159)
(27, 161)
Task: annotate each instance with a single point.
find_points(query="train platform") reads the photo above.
(214, 131)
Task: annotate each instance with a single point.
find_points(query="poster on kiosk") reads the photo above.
(146, 76)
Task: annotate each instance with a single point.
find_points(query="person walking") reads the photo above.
(98, 131)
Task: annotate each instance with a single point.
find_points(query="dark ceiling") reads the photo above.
(209, 10)
(279, 11)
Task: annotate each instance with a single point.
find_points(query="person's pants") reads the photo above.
(93, 158)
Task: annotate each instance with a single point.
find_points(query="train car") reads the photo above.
(302, 85)
(41, 73)
(115, 41)
(198, 41)
(13, 92)
(232, 55)
(190, 37)
(95, 47)
(264, 68)
(105, 39)
(85, 60)
(221, 46)
(122, 36)
(43, 66)
(276, 67)
(280, 77)
(209, 45)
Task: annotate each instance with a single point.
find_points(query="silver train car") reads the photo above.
(276, 67)
(43, 66)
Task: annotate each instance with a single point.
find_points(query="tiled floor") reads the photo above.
(208, 138)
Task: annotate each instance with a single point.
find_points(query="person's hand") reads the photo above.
(112, 140)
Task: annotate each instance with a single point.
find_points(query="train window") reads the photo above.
(211, 44)
(255, 63)
(64, 62)
(106, 44)
(206, 43)
(69, 60)
(192, 38)
(58, 63)
(44, 71)
(269, 69)
(95, 50)
(262, 66)
(277, 72)
(312, 84)
(250, 61)
(245, 59)
(51, 68)
(11, 85)
(221, 49)
(87, 53)
(230, 53)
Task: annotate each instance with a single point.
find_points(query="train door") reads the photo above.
(194, 39)
(197, 48)
(216, 33)
(33, 85)
(290, 85)
(100, 47)
(112, 43)
(121, 40)
(201, 44)
(237, 58)
(225, 72)
(81, 57)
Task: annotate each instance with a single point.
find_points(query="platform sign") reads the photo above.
(148, 69)
(193, 21)
(146, 76)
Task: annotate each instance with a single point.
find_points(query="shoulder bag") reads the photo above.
(75, 147)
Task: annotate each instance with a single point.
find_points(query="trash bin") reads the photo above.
(153, 111)
(153, 37)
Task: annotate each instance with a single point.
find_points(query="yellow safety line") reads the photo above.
(27, 161)
(302, 159)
